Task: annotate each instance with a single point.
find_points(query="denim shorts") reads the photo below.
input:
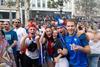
(49, 58)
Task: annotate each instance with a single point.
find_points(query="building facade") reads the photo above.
(5, 11)
(37, 7)
(40, 9)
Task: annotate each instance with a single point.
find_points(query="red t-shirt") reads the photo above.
(50, 49)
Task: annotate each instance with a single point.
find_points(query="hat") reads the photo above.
(59, 25)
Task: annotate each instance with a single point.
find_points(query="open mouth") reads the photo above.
(32, 33)
(49, 35)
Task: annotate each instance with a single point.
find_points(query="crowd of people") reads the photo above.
(70, 44)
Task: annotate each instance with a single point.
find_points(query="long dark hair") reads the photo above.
(48, 38)
(2, 32)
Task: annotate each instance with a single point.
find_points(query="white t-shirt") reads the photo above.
(20, 33)
(32, 55)
(95, 47)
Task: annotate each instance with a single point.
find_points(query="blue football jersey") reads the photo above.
(77, 58)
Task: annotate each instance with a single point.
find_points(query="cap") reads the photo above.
(59, 25)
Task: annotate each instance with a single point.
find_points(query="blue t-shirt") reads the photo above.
(77, 58)
(10, 37)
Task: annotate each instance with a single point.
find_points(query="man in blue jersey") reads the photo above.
(76, 48)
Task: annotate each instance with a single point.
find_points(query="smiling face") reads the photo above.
(7, 26)
(55, 33)
(70, 27)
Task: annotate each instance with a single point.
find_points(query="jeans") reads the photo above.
(19, 59)
(93, 60)
(28, 62)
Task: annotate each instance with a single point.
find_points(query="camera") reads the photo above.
(32, 46)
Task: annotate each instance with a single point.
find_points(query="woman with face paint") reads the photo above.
(30, 42)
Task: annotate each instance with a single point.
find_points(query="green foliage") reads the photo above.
(60, 2)
(86, 6)
(52, 4)
(10, 3)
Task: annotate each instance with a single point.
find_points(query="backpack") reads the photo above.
(32, 46)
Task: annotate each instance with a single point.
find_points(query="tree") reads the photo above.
(98, 6)
(9, 4)
(17, 9)
(56, 3)
(27, 10)
(52, 4)
(66, 1)
(86, 7)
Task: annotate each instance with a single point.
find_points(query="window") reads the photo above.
(5, 15)
(33, 2)
(2, 2)
(1, 17)
(38, 3)
(43, 3)
(13, 15)
(33, 5)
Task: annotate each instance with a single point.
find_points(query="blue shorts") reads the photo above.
(49, 58)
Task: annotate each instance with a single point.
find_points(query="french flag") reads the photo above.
(59, 20)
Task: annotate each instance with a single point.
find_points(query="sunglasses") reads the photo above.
(17, 22)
